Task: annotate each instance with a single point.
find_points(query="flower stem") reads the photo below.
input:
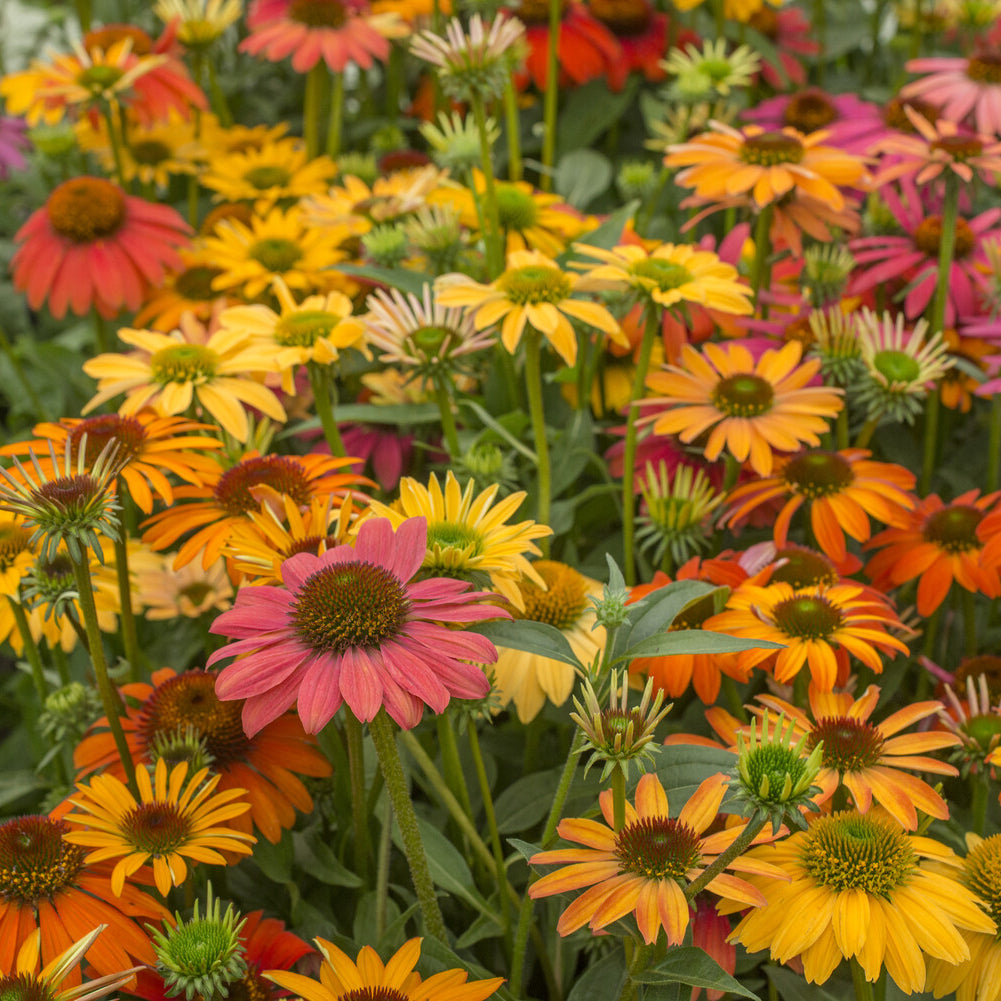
(319, 379)
(513, 117)
(311, 109)
(552, 97)
(30, 650)
(336, 115)
(969, 602)
(217, 98)
(841, 428)
(737, 847)
(979, 787)
(100, 332)
(536, 410)
(525, 911)
(932, 407)
(629, 458)
(451, 763)
(994, 445)
(492, 236)
(639, 962)
(382, 873)
(762, 251)
(618, 799)
(863, 988)
(868, 430)
(384, 739)
(356, 769)
(114, 140)
(109, 696)
(127, 616)
(442, 385)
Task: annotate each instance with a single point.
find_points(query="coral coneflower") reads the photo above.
(354, 626)
(644, 868)
(961, 87)
(176, 816)
(93, 246)
(855, 887)
(750, 408)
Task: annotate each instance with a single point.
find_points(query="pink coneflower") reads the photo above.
(913, 257)
(13, 144)
(960, 87)
(92, 245)
(354, 626)
(851, 124)
(789, 32)
(337, 31)
(937, 147)
(384, 452)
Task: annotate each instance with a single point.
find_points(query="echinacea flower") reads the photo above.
(336, 31)
(352, 625)
(185, 290)
(344, 979)
(199, 22)
(644, 868)
(529, 679)
(960, 87)
(765, 165)
(171, 372)
(711, 71)
(750, 408)
(791, 34)
(819, 627)
(469, 537)
(46, 885)
(532, 291)
(175, 817)
(842, 491)
(856, 887)
(868, 758)
(93, 246)
(939, 543)
(188, 592)
(14, 143)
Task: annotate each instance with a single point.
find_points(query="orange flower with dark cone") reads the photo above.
(149, 445)
(766, 165)
(643, 868)
(869, 758)
(841, 489)
(750, 408)
(267, 765)
(230, 495)
(820, 627)
(674, 673)
(938, 543)
(46, 884)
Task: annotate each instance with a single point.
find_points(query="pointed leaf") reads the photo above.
(692, 966)
(532, 637)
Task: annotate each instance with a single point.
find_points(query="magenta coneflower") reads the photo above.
(851, 124)
(354, 626)
(790, 32)
(913, 258)
(960, 87)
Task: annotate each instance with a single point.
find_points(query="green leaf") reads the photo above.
(314, 855)
(582, 175)
(601, 980)
(275, 861)
(692, 966)
(616, 582)
(532, 637)
(437, 957)
(681, 768)
(400, 414)
(405, 281)
(488, 421)
(655, 613)
(792, 987)
(524, 848)
(485, 926)
(694, 641)
(525, 802)
(609, 233)
(591, 110)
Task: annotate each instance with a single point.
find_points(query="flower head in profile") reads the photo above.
(344, 979)
(858, 887)
(534, 291)
(975, 722)
(93, 246)
(710, 72)
(961, 88)
(474, 61)
(354, 626)
(750, 408)
(644, 868)
(199, 22)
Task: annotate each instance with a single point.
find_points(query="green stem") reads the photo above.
(114, 140)
(863, 988)
(31, 653)
(61, 663)
(551, 100)
(127, 618)
(932, 407)
(969, 601)
(451, 762)
(100, 332)
(382, 873)
(442, 384)
(536, 410)
(639, 962)
(311, 109)
(110, 699)
(384, 739)
(336, 115)
(841, 428)
(737, 847)
(525, 911)
(491, 817)
(323, 396)
(820, 33)
(394, 81)
(762, 250)
(979, 788)
(83, 13)
(355, 741)
(650, 329)
(217, 98)
(492, 236)
(994, 445)
(513, 118)
(868, 430)
(618, 799)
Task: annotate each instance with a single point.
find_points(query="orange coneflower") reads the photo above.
(867, 757)
(176, 816)
(643, 868)
(818, 626)
(842, 490)
(939, 543)
(230, 495)
(266, 765)
(186, 290)
(753, 408)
